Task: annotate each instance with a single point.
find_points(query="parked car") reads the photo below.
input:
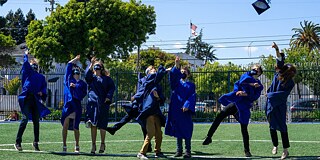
(201, 106)
(305, 105)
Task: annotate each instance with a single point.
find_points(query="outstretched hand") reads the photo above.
(275, 46)
(77, 57)
(177, 61)
(93, 59)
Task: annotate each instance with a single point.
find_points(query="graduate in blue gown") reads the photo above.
(238, 103)
(75, 90)
(34, 90)
(101, 89)
(132, 112)
(277, 94)
(150, 95)
(181, 108)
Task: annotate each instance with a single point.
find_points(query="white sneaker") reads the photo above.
(88, 124)
(275, 150)
(285, 154)
(142, 156)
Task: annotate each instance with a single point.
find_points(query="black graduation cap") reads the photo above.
(260, 6)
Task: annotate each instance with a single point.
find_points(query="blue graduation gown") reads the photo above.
(150, 105)
(243, 103)
(100, 88)
(179, 124)
(32, 83)
(72, 98)
(276, 108)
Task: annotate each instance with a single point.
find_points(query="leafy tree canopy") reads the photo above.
(104, 28)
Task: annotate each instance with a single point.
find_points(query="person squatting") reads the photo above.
(146, 102)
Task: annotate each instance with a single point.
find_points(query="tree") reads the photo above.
(306, 62)
(109, 28)
(2, 2)
(201, 50)
(306, 36)
(124, 72)
(217, 79)
(6, 43)
(17, 24)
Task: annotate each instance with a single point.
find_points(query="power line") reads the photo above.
(263, 36)
(232, 42)
(226, 22)
(225, 47)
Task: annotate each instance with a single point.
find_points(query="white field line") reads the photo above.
(121, 141)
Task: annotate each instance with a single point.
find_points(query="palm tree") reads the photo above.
(306, 36)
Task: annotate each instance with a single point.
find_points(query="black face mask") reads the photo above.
(34, 67)
(76, 71)
(253, 72)
(184, 75)
(97, 67)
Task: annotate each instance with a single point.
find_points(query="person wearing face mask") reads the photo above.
(238, 103)
(150, 116)
(132, 112)
(276, 109)
(101, 89)
(181, 108)
(75, 90)
(34, 90)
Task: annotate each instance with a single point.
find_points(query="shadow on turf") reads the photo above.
(196, 155)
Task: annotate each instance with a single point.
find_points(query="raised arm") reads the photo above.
(89, 71)
(175, 74)
(26, 68)
(69, 69)
(280, 56)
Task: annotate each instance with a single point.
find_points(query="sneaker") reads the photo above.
(88, 124)
(275, 150)
(77, 149)
(207, 141)
(160, 155)
(111, 130)
(178, 154)
(64, 149)
(247, 154)
(285, 154)
(18, 147)
(187, 155)
(36, 146)
(142, 156)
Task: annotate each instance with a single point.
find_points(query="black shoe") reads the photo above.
(18, 147)
(207, 141)
(160, 155)
(187, 155)
(35, 146)
(178, 154)
(247, 154)
(111, 130)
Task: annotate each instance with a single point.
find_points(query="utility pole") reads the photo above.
(52, 3)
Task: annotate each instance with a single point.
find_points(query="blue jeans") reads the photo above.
(187, 145)
(30, 106)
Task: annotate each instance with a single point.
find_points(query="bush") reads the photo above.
(258, 116)
(54, 115)
(12, 86)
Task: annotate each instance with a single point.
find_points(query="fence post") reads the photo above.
(116, 96)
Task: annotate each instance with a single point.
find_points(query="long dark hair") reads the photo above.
(287, 72)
